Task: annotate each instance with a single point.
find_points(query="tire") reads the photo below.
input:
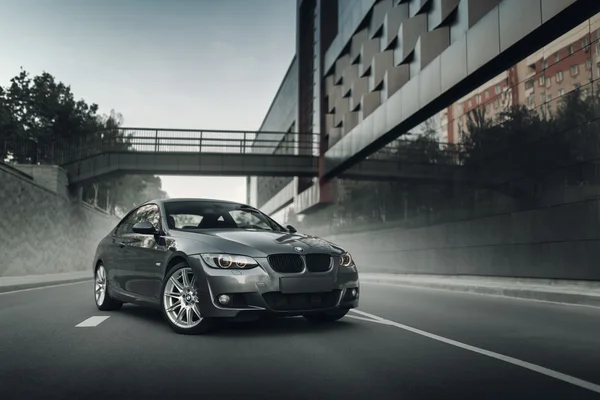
(325, 317)
(103, 299)
(180, 302)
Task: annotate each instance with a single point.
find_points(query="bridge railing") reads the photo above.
(157, 141)
(28, 151)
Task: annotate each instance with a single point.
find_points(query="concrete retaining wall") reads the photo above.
(560, 242)
(52, 177)
(42, 231)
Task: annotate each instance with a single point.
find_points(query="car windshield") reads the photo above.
(193, 215)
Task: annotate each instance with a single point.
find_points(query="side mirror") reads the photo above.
(145, 228)
(291, 229)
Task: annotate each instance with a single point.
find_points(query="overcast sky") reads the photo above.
(211, 64)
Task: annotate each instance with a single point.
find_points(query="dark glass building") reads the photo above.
(368, 72)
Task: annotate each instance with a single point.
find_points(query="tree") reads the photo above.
(121, 193)
(42, 122)
(39, 112)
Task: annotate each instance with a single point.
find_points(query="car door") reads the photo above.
(121, 262)
(148, 254)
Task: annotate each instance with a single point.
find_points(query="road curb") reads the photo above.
(34, 285)
(513, 292)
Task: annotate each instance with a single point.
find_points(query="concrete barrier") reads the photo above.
(42, 231)
(559, 242)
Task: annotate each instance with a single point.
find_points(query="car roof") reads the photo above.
(175, 200)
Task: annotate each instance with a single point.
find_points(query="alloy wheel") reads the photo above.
(100, 285)
(180, 299)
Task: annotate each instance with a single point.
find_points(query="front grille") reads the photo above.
(286, 263)
(318, 262)
(302, 301)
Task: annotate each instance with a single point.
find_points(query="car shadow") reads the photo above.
(275, 326)
(146, 314)
(280, 326)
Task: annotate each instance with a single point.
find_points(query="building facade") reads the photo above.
(367, 72)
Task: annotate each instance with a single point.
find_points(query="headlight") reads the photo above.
(229, 261)
(346, 260)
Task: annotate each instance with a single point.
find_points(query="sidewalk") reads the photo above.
(559, 291)
(10, 283)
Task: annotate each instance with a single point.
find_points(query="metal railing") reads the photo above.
(28, 151)
(157, 141)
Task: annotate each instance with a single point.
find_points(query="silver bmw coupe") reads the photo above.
(201, 261)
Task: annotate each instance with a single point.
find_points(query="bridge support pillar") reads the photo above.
(79, 193)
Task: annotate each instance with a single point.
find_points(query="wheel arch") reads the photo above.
(174, 260)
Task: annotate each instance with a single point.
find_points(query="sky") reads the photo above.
(191, 64)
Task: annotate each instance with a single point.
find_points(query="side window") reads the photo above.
(126, 225)
(154, 216)
(149, 213)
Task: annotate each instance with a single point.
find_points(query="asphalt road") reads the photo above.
(405, 343)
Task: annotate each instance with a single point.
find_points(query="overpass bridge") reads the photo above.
(190, 152)
(230, 153)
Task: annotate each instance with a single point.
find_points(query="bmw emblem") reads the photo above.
(298, 249)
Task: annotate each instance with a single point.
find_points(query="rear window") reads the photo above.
(192, 215)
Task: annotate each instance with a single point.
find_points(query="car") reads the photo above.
(203, 261)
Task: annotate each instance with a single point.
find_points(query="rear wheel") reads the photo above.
(327, 316)
(104, 301)
(180, 304)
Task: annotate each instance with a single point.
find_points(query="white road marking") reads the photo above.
(524, 364)
(361, 318)
(46, 287)
(92, 321)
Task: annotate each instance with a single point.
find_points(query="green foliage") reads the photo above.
(41, 122)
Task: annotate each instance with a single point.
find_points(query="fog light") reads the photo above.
(354, 292)
(224, 299)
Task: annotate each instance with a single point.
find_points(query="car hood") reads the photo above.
(258, 243)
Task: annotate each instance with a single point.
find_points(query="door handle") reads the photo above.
(121, 245)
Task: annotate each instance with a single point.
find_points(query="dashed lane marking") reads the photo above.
(524, 364)
(92, 322)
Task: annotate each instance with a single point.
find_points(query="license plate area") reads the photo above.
(305, 284)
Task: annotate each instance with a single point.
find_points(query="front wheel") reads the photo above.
(104, 301)
(180, 303)
(327, 316)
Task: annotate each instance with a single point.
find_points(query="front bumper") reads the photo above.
(263, 290)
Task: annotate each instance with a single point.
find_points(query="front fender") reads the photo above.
(173, 258)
